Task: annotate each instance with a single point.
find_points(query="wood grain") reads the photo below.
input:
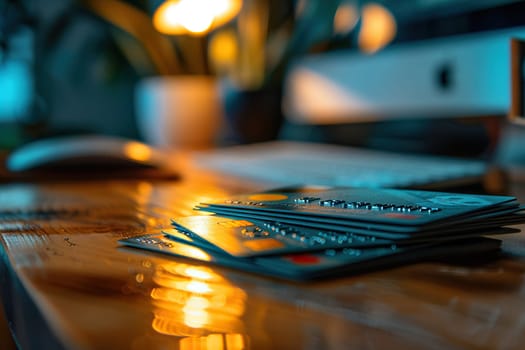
(59, 242)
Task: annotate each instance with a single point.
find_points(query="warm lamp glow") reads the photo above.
(194, 17)
(194, 301)
(378, 29)
(137, 151)
(223, 50)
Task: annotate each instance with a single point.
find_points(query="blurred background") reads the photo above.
(69, 67)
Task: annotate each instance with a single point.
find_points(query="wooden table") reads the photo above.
(66, 283)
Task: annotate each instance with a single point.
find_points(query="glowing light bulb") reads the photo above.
(378, 29)
(137, 151)
(172, 16)
(195, 17)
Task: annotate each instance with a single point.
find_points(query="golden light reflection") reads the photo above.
(196, 302)
(267, 197)
(143, 194)
(195, 253)
(194, 17)
(139, 277)
(223, 51)
(215, 341)
(137, 151)
(190, 271)
(200, 273)
(199, 287)
(378, 28)
(195, 317)
(144, 189)
(232, 341)
(235, 341)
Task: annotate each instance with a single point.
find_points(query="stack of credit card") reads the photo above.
(310, 234)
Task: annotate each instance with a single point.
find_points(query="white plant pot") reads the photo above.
(182, 112)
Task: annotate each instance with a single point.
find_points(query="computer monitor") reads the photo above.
(426, 19)
(449, 59)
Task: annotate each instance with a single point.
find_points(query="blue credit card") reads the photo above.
(241, 237)
(308, 266)
(483, 224)
(386, 210)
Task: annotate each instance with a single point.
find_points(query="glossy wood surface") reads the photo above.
(66, 282)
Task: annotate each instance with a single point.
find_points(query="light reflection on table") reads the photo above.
(198, 304)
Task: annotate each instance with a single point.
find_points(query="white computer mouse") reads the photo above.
(85, 151)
